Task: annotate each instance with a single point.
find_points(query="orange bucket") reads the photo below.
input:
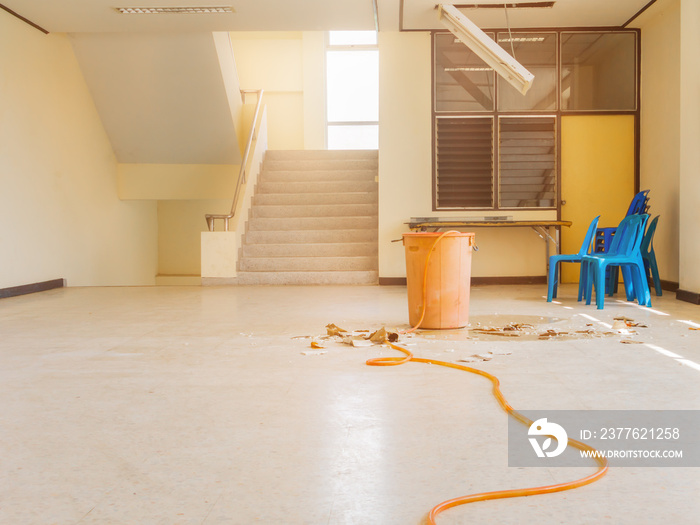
(447, 282)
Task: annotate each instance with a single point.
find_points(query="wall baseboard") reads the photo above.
(688, 297)
(392, 281)
(24, 289)
(669, 286)
(476, 281)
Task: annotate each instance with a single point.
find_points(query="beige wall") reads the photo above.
(180, 225)
(405, 168)
(314, 57)
(689, 271)
(660, 129)
(60, 216)
(289, 67)
(176, 181)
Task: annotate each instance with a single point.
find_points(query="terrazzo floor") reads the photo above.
(207, 405)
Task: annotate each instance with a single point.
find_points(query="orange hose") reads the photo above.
(500, 494)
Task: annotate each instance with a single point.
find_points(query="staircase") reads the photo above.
(313, 220)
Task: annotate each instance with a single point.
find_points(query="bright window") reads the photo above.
(352, 90)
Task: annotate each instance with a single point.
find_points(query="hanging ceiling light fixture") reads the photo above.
(485, 48)
(196, 10)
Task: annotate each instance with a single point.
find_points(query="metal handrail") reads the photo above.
(210, 218)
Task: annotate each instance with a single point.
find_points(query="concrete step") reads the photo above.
(318, 210)
(308, 264)
(310, 236)
(326, 249)
(311, 223)
(316, 187)
(320, 164)
(318, 176)
(323, 154)
(314, 220)
(284, 199)
(304, 278)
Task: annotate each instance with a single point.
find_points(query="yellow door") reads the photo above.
(597, 176)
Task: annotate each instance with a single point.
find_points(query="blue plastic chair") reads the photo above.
(623, 252)
(649, 257)
(604, 236)
(651, 270)
(554, 261)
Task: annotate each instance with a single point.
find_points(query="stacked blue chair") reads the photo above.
(624, 252)
(554, 260)
(649, 257)
(604, 236)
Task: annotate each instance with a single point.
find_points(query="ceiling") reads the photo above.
(97, 16)
(161, 97)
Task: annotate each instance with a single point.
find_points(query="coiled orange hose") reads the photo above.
(500, 494)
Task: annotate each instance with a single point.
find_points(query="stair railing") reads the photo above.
(242, 173)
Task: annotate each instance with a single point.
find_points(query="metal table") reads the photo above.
(547, 230)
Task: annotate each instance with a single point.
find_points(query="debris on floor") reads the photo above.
(332, 329)
(530, 332)
(481, 329)
(361, 342)
(477, 357)
(314, 352)
(551, 333)
(511, 330)
(382, 336)
(624, 322)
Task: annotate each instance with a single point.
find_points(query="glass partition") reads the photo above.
(598, 71)
(463, 82)
(538, 53)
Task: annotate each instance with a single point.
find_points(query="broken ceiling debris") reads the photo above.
(628, 323)
(313, 352)
(332, 329)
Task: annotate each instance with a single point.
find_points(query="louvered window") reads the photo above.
(527, 162)
(464, 160)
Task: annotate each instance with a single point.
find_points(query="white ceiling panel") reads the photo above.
(422, 14)
(96, 16)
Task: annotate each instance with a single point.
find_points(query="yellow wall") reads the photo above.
(660, 129)
(314, 54)
(597, 165)
(689, 218)
(60, 215)
(289, 67)
(176, 181)
(180, 225)
(405, 169)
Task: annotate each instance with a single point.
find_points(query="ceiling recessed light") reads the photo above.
(509, 5)
(468, 69)
(522, 39)
(195, 10)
